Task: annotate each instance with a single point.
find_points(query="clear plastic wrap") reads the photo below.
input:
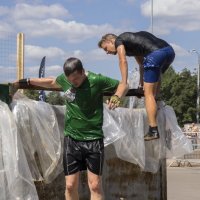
(177, 143)
(132, 148)
(155, 150)
(41, 138)
(15, 176)
(111, 128)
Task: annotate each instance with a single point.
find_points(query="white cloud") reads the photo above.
(70, 31)
(33, 53)
(24, 16)
(36, 52)
(173, 14)
(49, 21)
(180, 51)
(50, 71)
(28, 11)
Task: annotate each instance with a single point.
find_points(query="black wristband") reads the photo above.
(24, 82)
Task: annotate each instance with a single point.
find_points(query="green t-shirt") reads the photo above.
(84, 113)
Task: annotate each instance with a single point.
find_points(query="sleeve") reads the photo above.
(59, 80)
(107, 84)
(118, 42)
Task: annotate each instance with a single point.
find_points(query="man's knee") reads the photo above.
(69, 187)
(95, 186)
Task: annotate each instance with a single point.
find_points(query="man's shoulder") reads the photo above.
(96, 77)
(61, 76)
(61, 80)
(100, 79)
(92, 75)
(126, 35)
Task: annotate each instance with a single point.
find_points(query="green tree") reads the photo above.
(55, 98)
(179, 91)
(32, 94)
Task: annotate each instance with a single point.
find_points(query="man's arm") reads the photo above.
(44, 82)
(123, 65)
(41, 82)
(123, 85)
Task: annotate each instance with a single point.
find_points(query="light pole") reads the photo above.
(198, 84)
(152, 16)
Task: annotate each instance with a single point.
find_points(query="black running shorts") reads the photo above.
(82, 155)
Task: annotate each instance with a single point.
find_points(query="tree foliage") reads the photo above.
(179, 90)
(32, 94)
(55, 98)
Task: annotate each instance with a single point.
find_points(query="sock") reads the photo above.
(153, 128)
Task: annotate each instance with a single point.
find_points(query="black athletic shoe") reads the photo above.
(153, 134)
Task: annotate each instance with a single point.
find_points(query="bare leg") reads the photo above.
(150, 102)
(94, 182)
(71, 192)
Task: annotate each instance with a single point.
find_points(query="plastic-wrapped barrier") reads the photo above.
(132, 147)
(41, 137)
(177, 143)
(41, 129)
(123, 127)
(122, 179)
(15, 176)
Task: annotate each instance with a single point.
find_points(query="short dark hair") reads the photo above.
(106, 37)
(71, 65)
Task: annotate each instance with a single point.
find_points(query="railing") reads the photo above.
(194, 137)
(131, 92)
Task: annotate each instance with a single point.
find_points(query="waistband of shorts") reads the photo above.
(68, 136)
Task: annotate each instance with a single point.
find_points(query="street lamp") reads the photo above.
(198, 84)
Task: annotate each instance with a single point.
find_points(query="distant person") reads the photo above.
(83, 141)
(153, 55)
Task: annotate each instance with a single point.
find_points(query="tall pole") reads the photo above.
(20, 56)
(198, 83)
(198, 93)
(152, 16)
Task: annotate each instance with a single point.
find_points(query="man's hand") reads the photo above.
(114, 102)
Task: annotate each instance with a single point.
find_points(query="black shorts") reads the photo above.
(82, 155)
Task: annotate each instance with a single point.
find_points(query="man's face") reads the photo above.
(77, 78)
(109, 47)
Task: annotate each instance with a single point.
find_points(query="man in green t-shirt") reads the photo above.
(83, 141)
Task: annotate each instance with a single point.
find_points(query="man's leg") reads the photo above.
(151, 82)
(94, 160)
(151, 108)
(94, 182)
(71, 192)
(150, 102)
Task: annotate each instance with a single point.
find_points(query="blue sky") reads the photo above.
(63, 28)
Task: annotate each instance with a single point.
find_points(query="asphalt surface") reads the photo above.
(183, 183)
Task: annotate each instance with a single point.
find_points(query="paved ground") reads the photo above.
(183, 183)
